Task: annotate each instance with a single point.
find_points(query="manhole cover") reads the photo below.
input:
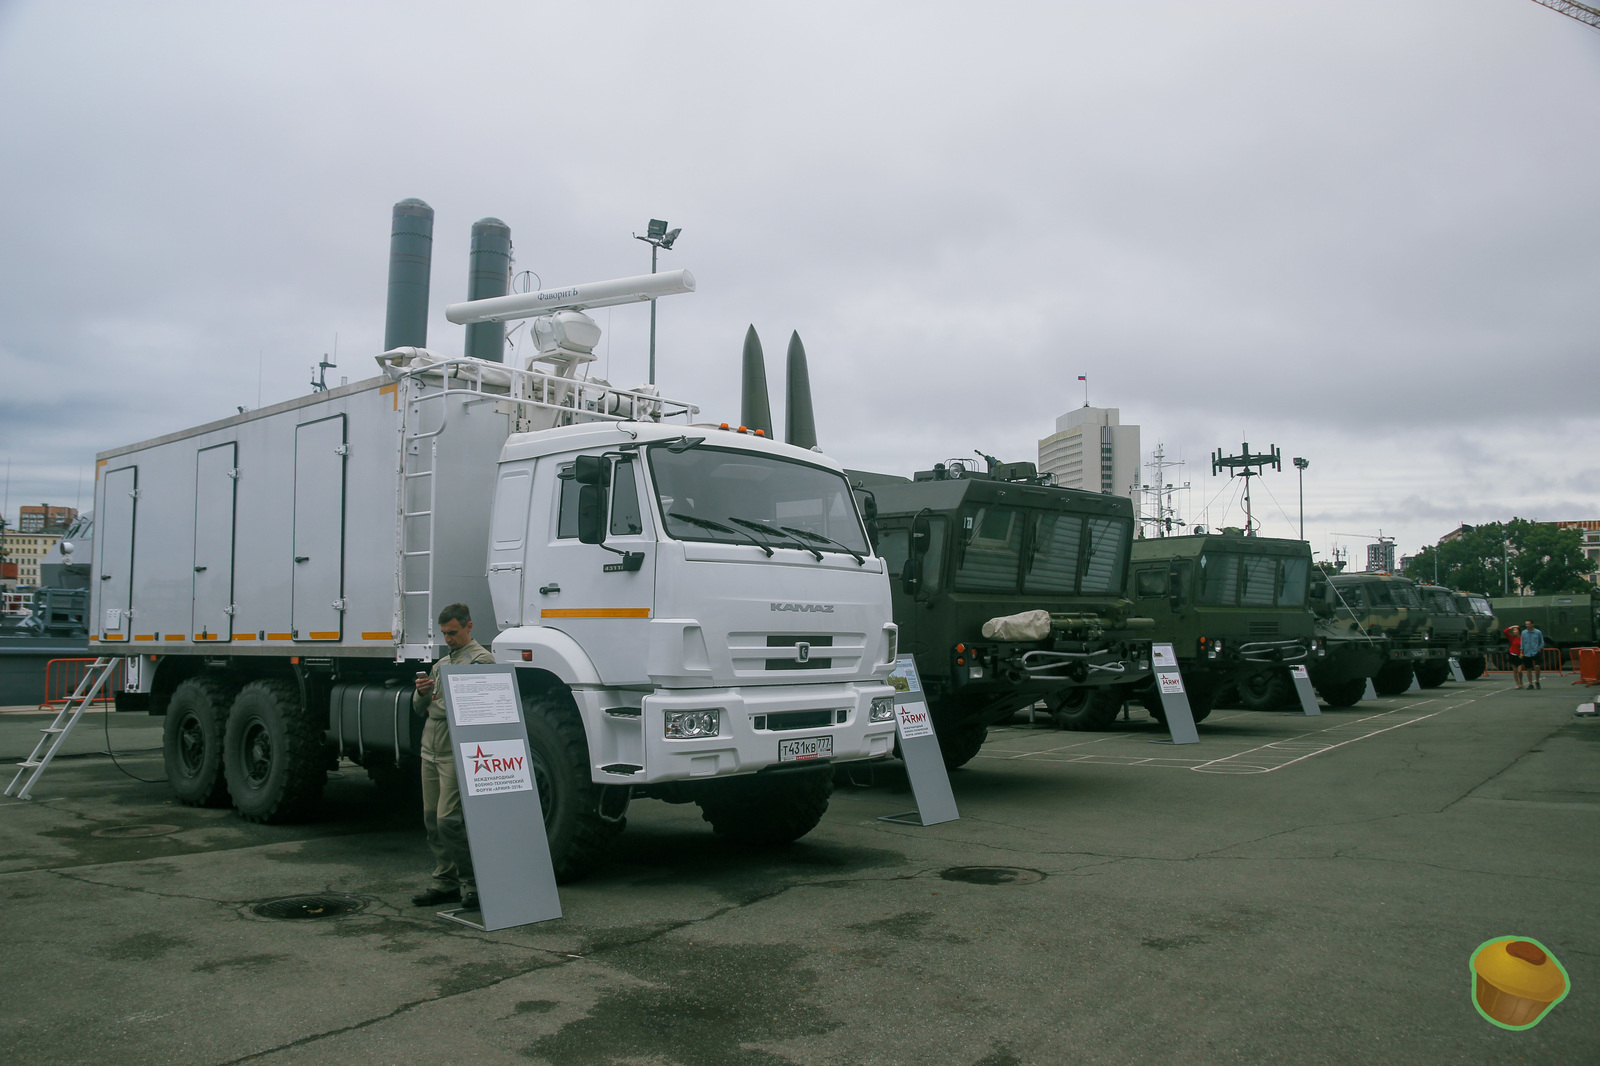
(123, 832)
(309, 906)
(992, 875)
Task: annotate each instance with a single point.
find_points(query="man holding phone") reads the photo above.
(441, 792)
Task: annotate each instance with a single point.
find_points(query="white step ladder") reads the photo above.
(414, 560)
(57, 732)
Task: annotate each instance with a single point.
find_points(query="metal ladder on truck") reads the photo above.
(56, 733)
(419, 457)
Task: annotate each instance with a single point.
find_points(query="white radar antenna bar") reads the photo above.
(572, 298)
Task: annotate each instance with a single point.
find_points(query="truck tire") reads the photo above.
(1474, 666)
(961, 744)
(1087, 709)
(275, 756)
(579, 833)
(191, 741)
(1432, 674)
(767, 809)
(1346, 693)
(1264, 691)
(1393, 679)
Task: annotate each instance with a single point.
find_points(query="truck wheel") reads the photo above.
(1393, 679)
(579, 833)
(1087, 709)
(767, 808)
(1346, 693)
(191, 741)
(274, 755)
(1433, 674)
(1473, 667)
(1264, 691)
(961, 744)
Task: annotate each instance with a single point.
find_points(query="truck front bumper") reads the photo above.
(629, 741)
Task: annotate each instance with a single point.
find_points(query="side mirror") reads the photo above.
(869, 515)
(921, 536)
(591, 514)
(911, 575)
(591, 470)
(1175, 587)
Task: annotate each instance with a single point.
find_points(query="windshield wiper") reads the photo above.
(765, 529)
(706, 523)
(809, 535)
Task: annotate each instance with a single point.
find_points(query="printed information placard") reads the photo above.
(483, 699)
(1302, 688)
(505, 826)
(1174, 701)
(919, 749)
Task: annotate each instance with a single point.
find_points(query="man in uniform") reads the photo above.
(441, 793)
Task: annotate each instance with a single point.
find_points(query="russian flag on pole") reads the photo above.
(1083, 377)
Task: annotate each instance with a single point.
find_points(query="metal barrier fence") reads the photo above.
(1551, 660)
(61, 677)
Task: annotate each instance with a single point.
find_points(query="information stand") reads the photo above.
(1371, 693)
(1303, 689)
(1174, 701)
(505, 825)
(1455, 669)
(919, 749)
(1416, 685)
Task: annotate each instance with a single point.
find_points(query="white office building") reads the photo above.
(1091, 449)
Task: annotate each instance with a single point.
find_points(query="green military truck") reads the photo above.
(1234, 610)
(969, 548)
(1388, 606)
(1452, 627)
(1569, 620)
(1484, 636)
(1350, 655)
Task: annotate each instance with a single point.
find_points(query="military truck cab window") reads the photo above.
(1053, 557)
(1260, 578)
(1107, 548)
(992, 549)
(1219, 580)
(1292, 577)
(894, 546)
(567, 512)
(626, 519)
(735, 497)
(1151, 583)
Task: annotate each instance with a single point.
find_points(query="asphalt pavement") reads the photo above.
(1290, 890)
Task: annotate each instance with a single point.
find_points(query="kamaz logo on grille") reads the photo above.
(805, 608)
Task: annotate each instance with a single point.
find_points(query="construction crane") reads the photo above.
(1383, 549)
(1572, 9)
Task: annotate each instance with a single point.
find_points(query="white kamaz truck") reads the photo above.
(695, 612)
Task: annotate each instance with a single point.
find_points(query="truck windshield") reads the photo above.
(991, 549)
(1481, 606)
(716, 485)
(1229, 579)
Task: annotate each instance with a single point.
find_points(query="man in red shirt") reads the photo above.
(1514, 634)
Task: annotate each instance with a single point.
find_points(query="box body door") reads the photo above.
(214, 482)
(114, 545)
(318, 581)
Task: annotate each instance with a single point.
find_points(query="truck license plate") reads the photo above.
(802, 748)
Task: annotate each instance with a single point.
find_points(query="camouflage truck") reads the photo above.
(1350, 656)
(1568, 620)
(1234, 610)
(1388, 606)
(966, 548)
(1484, 636)
(1452, 627)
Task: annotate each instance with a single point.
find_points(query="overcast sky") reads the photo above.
(1364, 232)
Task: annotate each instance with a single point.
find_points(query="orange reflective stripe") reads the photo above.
(595, 612)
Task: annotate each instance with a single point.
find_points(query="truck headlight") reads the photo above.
(882, 710)
(685, 724)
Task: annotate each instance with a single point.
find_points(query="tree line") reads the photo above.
(1500, 558)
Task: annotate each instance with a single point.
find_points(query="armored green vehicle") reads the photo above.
(1388, 606)
(1570, 620)
(1234, 610)
(968, 548)
(1484, 636)
(1350, 655)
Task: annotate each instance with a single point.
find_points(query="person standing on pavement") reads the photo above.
(441, 792)
(1514, 636)
(1532, 649)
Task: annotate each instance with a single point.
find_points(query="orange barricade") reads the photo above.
(1588, 660)
(1552, 661)
(61, 677)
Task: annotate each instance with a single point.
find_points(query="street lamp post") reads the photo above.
(1300, 465)
(657, 236)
